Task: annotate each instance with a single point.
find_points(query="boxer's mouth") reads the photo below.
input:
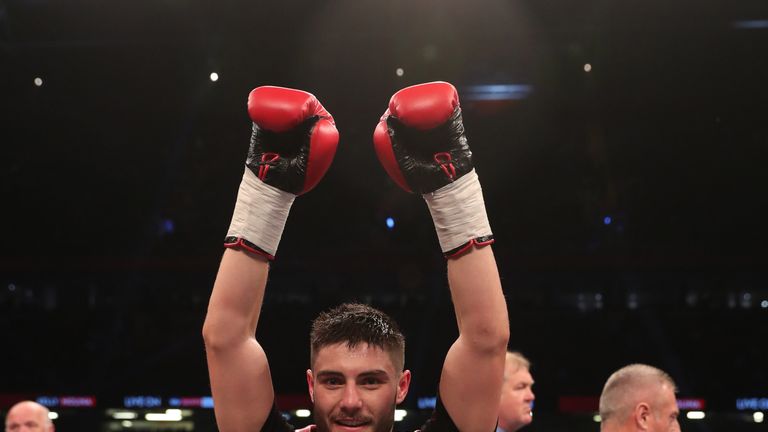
(352, 422)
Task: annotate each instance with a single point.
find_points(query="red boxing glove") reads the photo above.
(420, 139)
(293, 143)
(294, 138)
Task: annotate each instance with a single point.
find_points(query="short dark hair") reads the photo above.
(354, 324)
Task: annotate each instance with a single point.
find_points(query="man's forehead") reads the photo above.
(343, 349)
(521, 374)
(340, 354)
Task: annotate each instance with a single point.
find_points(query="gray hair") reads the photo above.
(624, 388)
(514, 362)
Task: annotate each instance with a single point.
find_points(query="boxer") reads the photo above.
(356, 374)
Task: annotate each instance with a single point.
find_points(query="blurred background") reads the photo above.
(621, 145)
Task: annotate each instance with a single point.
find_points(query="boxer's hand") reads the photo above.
(293, 143)
(420, 139)
(421, 143)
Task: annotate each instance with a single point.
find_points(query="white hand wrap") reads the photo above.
(458, 211)
(260, 213)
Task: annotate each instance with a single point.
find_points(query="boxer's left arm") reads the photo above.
(422, 146)
(293, 142)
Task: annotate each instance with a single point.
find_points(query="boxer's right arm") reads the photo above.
(293, 143)
(237, 365)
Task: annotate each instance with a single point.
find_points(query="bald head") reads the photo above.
(28, 416)
(635, 390)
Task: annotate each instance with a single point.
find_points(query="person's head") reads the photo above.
(639, 397)
(356, 376)
(516, 393)
(28, 416)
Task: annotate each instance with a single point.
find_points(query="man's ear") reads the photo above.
(642, 415)
(402, 385)
(311, 385)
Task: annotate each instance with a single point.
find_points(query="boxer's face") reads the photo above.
(516, 399)
(355, 390)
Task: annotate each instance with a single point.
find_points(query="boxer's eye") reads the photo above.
(370, 381)
(332, 381)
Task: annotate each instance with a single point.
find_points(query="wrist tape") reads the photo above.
(259, 217)
(458, 211)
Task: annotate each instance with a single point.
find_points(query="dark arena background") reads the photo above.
(622, 147)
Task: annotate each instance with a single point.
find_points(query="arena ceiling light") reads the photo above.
(497, 92)
(750, 24)
(124, 415)
(303, 413)
(695, 415)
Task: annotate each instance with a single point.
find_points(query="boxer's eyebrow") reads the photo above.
(327, 373)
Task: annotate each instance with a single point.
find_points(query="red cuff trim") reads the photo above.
(477, 242)
(241, 243)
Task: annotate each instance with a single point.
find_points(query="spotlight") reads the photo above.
(303, 413)
(587, 67)
(695, 415)
(596, 418)
(399, 72)
(53, 415)
(400, 414)
(38, 82)
(607, 220)
(214, 76)
(758, 417)
(126, 423)
(390, 223)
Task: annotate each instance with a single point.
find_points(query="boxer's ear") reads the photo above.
(311, 385)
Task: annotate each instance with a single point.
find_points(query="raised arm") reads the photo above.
(292, 145)
(237, 365)
(472, 375)
(421, 143)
